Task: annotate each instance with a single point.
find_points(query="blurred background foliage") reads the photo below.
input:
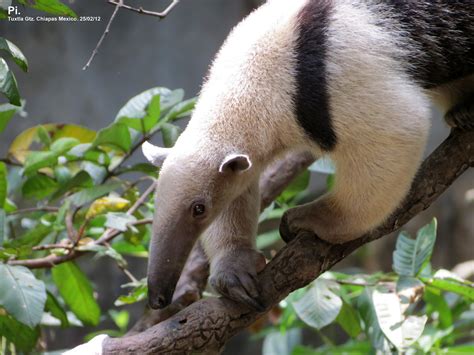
(69, 178)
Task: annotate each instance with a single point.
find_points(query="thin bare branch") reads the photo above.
(34, 209)
(141, 10)
(120, 5)
(106, 32)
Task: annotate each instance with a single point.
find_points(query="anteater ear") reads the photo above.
(155, 155)
(235, 163)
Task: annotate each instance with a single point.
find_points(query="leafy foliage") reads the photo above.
(75, 184)
(409, 311)
(54, 7)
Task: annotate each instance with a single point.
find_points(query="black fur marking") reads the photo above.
(312, 99)
(439, 37)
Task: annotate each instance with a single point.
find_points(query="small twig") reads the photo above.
(349, 283)
(8, 161)
(34, 209)
(52, 246)
(69, 220)
(141, 10)
(107, 30)
(127, 272)
(81, 231)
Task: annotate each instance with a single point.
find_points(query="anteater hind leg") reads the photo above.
(462, 115)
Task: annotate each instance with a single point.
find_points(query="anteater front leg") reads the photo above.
(230, 245)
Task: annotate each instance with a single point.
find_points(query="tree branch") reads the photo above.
(120, 5)
(106, 32)
(207, 325)
(141, 10)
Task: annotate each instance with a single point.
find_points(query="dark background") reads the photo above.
(141, 52)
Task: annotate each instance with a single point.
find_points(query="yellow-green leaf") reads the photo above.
(107, 204)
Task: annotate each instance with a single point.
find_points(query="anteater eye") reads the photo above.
(198, 210)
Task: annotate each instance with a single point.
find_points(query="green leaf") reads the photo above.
(21, 294)
(8, 84)
(436, 303)
(32, 237)
(90, 194)
(62, 145)
(119, 220)
(349, 320)
(3, 225)
(402, 332)
(15, 52)
(324, 166)
(138, 294)
(38, 160)
(21, 145)
(184, 108)
(267, 239)
(43, 136)
(116, 135)
(299, 184)
(446, 281)
(277, 343)
(144, 168)
(371, 325)
(81, 179)
(127, 248)
(39, 186)
(153, 113)
(7, 112)
(3, 184)
(460, 349)
(146, 123)
(170, 134)
(410, 256)
(350, 348)
(319, 306)
(52, 306)
(137, 105)
(54, 7)
(62, 174)
(77, 292)
(19, 334)
(120, 318)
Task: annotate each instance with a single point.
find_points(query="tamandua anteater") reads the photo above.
(352, 80)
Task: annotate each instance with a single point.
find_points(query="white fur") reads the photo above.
(92, 347)
(155, 155)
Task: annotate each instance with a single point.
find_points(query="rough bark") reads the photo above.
(206, 325)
